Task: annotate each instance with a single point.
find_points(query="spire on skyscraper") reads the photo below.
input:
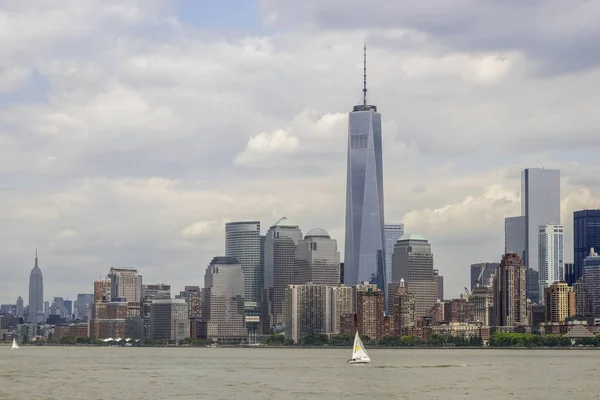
(36, 258)
(365, 76)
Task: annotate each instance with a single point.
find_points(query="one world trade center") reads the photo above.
(364, 247)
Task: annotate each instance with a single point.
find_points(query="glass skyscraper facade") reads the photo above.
(551, 256)
(586, 235)
(243, 241)
(364, 258)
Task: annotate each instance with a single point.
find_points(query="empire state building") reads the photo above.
(365, 243)
(36, 294)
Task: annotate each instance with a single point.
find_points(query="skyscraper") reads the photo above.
(243, 241)
(413, 262)
(515, 235)
(489, 269)
(36, 293)
(551, 256)
(364, 256)
(317, 259)
(169, 319)
(20, 307)
(510, 300)
(280, 267)
(591, 280)
(307, 311)
(223, 301)
(586, 234)
(540, 205)
(392, 232)
(559, 299)
(126, 283)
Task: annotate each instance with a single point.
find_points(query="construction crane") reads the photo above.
(478, 281)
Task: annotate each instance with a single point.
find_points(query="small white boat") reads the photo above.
(15, 346)
(359, 353)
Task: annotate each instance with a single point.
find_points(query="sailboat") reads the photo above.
(359, 353)
(15, 346)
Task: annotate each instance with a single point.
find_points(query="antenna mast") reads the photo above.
(365, 76)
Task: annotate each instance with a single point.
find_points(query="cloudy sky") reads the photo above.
(131, 131)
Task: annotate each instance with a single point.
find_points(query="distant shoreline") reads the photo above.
(312, 347)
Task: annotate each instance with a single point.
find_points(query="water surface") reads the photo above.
(66, 373)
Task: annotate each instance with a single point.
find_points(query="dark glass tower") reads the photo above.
(586, 234)
(364, 257)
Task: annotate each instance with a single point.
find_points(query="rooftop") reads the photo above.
(317, 232)
(284, 222)
(222, 260)
(412, 236)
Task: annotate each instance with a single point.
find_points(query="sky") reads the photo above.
(130, 132)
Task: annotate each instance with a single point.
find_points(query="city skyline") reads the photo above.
(191, 117)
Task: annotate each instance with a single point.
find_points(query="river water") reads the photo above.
(66, 373)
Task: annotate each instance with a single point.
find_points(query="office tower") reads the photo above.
(392, 232)
(484, 272)
(102, 290)
(83, 305)
(439, 282)
(369, 311)
(413, 261)
(243, 241)
(581, 303)
(591, 280)
(515, 236)
(169, 319)
(482, 298)
(403, 310)
(586, 235)
(570, 273)
(307, 311)
(317, 259)
(342, 273)
(36, 294)
(158, 291)
(109, 320)
(510, 300)
(223, 315)
(126, 283)
(364, 256)
(559, 300)
(279, 272)
(68, 304)
(193, 296)
(550, 256)
(46, 310)
(540, 204)
(20, 307)
(342, 301)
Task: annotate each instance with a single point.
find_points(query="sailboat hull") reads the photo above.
(359, 361)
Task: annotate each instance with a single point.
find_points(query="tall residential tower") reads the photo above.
(364, 257)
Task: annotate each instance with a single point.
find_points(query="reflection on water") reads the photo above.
(202, 373)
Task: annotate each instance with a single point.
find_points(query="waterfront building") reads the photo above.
(413, 261)
(510, 300)
(109, 320)
(317, 259)
(223, 315)
(307, 311)
(279, 271)
(364, 243)
(369, 311)
(591, 280)
(459, 310)
(489, 269)
(158, 291)
(581, 303)
(586, 235)
(36, 294)
(126, 283)
(342, 301)
(71, 330)
(403, 310)
(243, 241)
(169, 319)
(193, 297)
(559, 302)
(482, 298)
(550, 256)
(102, 290)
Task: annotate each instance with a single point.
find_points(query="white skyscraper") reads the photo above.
(243, 241)
(364, 256)
(551, 256)
(36, 294)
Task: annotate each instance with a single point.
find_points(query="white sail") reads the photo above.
(15, 346)
(359, 353)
